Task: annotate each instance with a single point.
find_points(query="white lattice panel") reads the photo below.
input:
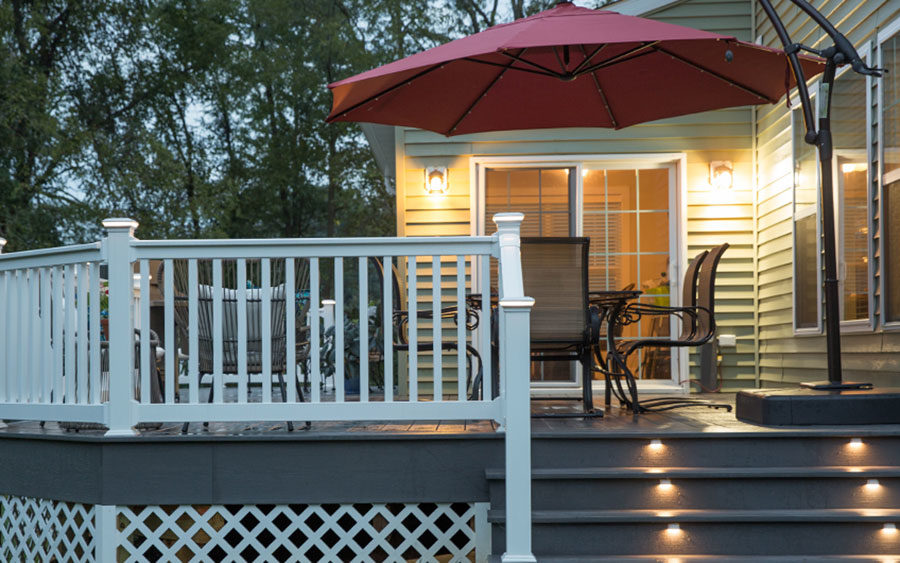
(34, 529)
(327, 532)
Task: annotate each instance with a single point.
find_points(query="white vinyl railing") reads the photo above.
(241, 308)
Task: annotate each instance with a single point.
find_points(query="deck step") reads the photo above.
(655, 473)
(834, 515)
(706, 558)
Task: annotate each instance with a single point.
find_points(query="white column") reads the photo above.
(105, 533)
(515, 351)
(117, 246)
(2, 244)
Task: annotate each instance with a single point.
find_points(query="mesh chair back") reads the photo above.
(555, 271)
(706, 291)
(689, 295)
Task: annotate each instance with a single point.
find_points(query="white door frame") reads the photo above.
(677, 243)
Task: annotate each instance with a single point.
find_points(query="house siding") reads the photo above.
(869, 355)
(712, 217)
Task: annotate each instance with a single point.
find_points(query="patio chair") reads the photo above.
(400, 314)
(697, 315)
(563, 325)
(254, 340)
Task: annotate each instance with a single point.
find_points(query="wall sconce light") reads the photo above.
(436, 180)
(721, 174)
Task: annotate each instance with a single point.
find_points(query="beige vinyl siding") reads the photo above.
(728, 17)
(868, 355)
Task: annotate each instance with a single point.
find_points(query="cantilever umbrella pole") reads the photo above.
(842, 52)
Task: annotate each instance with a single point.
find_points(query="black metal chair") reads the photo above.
(564, 327)
(400, 316)
(697, 315)
(229, 337)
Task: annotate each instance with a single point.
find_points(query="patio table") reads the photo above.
(610, 305)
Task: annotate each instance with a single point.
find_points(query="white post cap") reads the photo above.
(120, 223)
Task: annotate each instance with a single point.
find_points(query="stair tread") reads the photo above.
(726, 558)
(701, 515)
(834, 471)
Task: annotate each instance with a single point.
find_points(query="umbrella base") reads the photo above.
(811, 407)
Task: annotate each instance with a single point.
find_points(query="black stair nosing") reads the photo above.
(702, 516)
(789, 472)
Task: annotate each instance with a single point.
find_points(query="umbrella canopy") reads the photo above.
(566, 67)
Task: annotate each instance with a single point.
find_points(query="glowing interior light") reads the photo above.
(873, 485)
(656, 445)
(889, 529)
(849, 167)
(856, 443)
(673, 529)
(665, 484)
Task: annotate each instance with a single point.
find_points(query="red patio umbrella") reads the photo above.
(566, 67)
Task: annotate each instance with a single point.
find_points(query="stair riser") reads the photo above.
(725, 494)
(776, 538)
(714, 452)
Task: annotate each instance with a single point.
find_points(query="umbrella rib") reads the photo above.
(535, 65)
(587, 58)
(518, 69)
(612, 118)
(388, 90)
(484, 93)
(626, 56)
(715, 74)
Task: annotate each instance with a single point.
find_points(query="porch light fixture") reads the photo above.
(675, 529)
(665, 484)
(855, 444)
(436, 181)
(873, 485)
(656, 445)
(721, 174)
(889, 529)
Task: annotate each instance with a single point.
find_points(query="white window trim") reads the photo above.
(883, 35)
(816, 210)
(867, 324)
(677, 247)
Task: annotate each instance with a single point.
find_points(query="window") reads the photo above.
(542, 194)
(890, 180)
(807, 266)
(849, 127)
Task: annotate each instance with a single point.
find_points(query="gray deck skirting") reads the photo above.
(217, 471)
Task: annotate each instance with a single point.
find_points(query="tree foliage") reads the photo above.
(200, 118)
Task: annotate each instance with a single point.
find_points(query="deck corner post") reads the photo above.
(515, 338)
(104, 533)
(2, 244)
(120, 409)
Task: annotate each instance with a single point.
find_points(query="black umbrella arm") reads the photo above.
(841, 52)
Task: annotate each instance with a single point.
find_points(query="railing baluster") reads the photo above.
(58, 319)
(266, 326)
(315, 372)
(94, 339)
(485, 328)
(144, 304)
(217, 335)
(34, 345)
(461, 382)
(5, 347)
(22, 324)
(363, 329)
(69, 336)
(437, 349)
(290, 326)
(388, 321)
(193, 334)
(413, 326)
(81, 377)
(242, 329)
(339, 329)
(172, 366)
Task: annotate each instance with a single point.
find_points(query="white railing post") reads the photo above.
(515, 339)
(2, 244)
(120, 409)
